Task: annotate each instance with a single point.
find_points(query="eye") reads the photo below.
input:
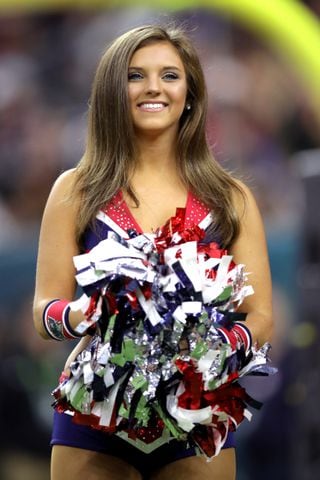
(170, 76)
(133, 76)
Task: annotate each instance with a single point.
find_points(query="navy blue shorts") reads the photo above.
(66, 432)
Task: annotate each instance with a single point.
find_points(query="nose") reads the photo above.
(153, 86)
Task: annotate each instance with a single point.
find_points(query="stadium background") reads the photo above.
(262, 65)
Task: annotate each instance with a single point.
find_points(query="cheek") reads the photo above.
(133, 92)
(180, 94)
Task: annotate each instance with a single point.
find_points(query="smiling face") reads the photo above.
(157, 88)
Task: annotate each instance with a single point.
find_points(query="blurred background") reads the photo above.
(262, 125)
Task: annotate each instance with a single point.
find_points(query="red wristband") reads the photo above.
(56, 320)
(244, 334)
(237, 336)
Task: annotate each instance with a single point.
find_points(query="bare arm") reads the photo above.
(250, 249)
(55, 276)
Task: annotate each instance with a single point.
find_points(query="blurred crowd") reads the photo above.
(260, 126)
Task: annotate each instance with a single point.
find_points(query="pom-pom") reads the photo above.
(169, 348)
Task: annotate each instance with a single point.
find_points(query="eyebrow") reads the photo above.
(169, 67)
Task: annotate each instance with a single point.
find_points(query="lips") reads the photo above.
(152, 106)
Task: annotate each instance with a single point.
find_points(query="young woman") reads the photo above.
(146, 155)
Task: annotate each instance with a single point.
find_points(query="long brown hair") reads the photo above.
(110, 149)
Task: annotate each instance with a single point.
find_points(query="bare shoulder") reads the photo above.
(244, 201)
(252, 229)
(64, 184)
(67, 177)
(62, 196)
(61, 208)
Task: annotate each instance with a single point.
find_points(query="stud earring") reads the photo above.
(188, 106)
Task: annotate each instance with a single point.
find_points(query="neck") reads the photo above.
(156, 153)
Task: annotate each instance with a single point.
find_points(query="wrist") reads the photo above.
(237, 337)
(56, 320)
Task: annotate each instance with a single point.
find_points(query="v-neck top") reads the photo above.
(118, 211)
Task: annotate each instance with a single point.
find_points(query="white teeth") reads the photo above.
(152, 105)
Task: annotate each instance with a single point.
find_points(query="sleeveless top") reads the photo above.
(116, 216)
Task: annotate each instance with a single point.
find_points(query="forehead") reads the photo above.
(157, 53)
